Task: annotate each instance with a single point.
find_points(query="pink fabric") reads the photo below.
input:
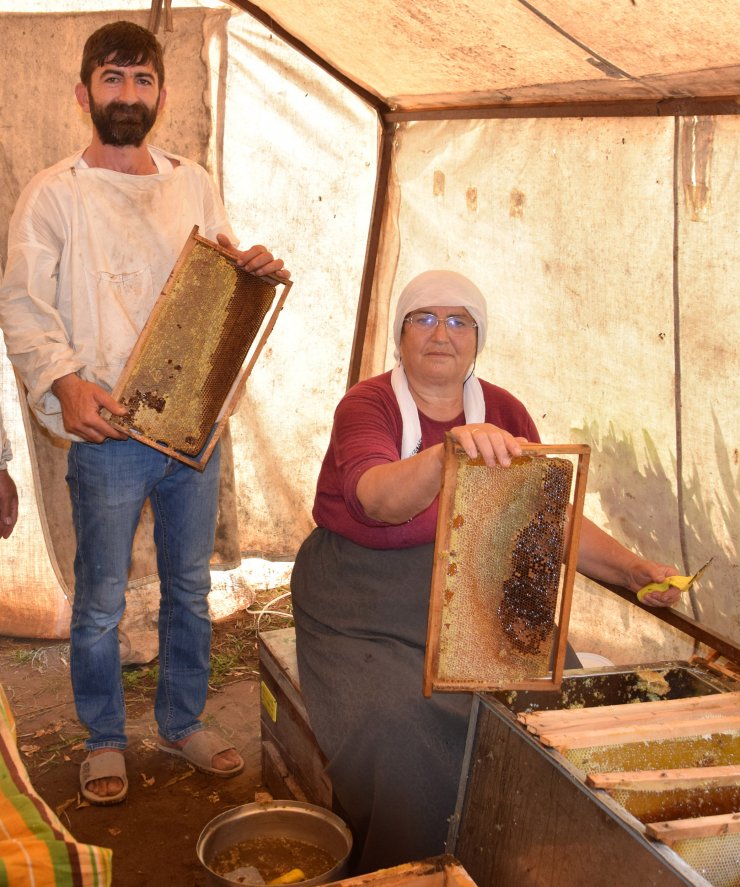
(367, 431)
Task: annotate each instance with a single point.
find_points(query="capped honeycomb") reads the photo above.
(716, 858)
(192, 349)
(680, 803)
(503, 553)
(705, 749)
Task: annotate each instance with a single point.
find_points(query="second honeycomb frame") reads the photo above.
(187, 371)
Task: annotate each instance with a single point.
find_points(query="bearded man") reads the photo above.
(92, 241)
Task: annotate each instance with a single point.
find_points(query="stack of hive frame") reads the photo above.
(501, 542)
(189, 366)
(674, 764)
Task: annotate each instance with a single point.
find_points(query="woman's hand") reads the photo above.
(601, 557)
(643, 572)
(494, 445)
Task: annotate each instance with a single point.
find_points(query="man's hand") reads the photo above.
(81, 405)
(8, 504)
(258, 259)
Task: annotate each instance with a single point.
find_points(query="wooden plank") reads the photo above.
(672, 832)
(726, 646)
(441, 871)
(633, 713)
(276, 776)
(657, 719)
(684, 107)
(666, 780)
(658, 727)
(439, 567)
(629, 733)
(487, 686)
(572, 541)
(280, 645)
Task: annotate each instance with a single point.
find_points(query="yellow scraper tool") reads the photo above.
(682, 582)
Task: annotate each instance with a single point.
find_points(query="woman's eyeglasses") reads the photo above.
(426, 322)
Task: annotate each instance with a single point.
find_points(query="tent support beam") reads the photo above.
(686, 107)
(385, 150)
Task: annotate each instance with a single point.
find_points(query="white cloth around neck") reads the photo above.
(474, 406)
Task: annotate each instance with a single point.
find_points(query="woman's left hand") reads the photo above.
(494, 445)
(643, 572)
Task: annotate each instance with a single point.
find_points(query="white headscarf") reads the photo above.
(434, 289)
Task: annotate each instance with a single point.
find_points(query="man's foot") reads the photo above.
(207, 752)
(103, 777)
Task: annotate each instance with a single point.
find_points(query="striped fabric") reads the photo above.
(35, 848)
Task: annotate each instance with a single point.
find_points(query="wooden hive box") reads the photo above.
(292, 762)
(438, 871)
(673, 764)
(559, 795)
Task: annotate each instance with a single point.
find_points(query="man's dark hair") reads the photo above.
(124, 44)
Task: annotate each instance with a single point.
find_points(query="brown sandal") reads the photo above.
(200, 750)
(108, 765)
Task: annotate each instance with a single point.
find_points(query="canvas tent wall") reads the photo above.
(576, 160)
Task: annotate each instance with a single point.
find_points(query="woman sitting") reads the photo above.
(361, 580)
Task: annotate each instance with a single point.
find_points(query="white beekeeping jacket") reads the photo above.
(89, 251)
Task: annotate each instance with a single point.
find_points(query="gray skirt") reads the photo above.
(394, 756)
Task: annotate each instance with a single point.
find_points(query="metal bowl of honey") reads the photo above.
(274, 843)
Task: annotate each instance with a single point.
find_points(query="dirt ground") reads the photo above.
(153, 833)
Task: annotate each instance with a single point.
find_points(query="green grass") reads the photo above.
(142, 677)
(36, 657)
(23, 657)
(223, 664)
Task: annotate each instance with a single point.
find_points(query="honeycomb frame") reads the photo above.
(500, 531)
(187, 370)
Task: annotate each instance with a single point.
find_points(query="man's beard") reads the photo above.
(120, 125)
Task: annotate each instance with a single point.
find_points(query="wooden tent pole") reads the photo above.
(385, 151)
(683, 107)
(155, 15)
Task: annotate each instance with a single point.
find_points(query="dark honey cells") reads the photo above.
(527, 608)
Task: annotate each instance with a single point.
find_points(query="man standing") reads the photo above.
(91, 244)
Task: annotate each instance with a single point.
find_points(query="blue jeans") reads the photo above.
(109, 484)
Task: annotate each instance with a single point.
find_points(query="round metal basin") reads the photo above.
(287, 819)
